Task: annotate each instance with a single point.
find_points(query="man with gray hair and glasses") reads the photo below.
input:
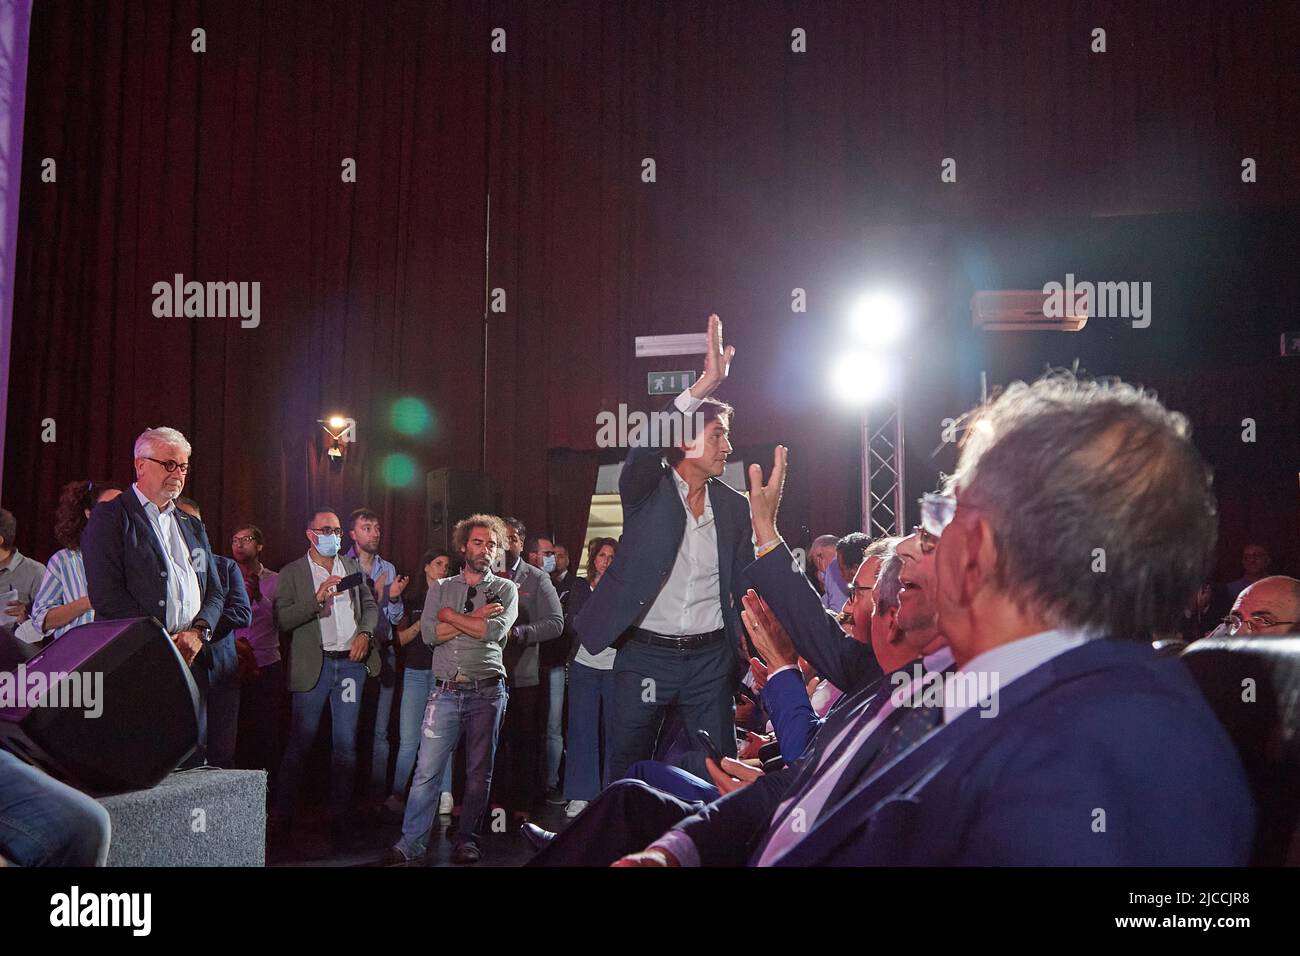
(147, 558)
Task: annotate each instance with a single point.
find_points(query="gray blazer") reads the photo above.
(540, 619)
(295, 609)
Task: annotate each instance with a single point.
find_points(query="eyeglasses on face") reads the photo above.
(1252, 624)
(854, 589)
(171, 465)
(328, 530)
(243, 539)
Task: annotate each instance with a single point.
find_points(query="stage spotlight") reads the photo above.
(859, 378)
(338, 421)
(878, 320)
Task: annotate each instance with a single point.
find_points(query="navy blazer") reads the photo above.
(126, 570)
(848, 664)
(1104, 756)
(219, 656)
(654, 521)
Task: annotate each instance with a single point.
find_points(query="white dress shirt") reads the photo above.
(689, 602)
(339, 627)
(184, 597)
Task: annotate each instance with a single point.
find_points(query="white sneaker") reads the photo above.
(445, 804)
(574, 807)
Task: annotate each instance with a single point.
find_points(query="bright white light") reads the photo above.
(859, 378)
(338, 421)
(878, 320)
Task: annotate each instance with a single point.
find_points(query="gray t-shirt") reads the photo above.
(464, 657)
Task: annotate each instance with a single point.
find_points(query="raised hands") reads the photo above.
(765, 499)
(717, 361)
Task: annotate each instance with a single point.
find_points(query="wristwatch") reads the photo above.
(204, 629)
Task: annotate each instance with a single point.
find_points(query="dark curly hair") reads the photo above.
(75, 499)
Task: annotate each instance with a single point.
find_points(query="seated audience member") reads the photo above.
(262, 690)
(216, 669)
(145, 557)
(821, 555)
(47, 823)
(590, 689)
(1090, 723)
(1255, 564)
(1270, 606)
(417, 682)
(61, 602)
(620, 819)
(849, 553)
(331, 652)
(20, 579)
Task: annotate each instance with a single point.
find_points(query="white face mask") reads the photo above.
(328, 544)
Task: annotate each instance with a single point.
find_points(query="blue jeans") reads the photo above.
(590, 708)
(47, 823)
(554, 679)
(344, 701)
(449, 713)
(387, 684)
(415, 696)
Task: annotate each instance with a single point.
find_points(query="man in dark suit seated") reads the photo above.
(1058, 728)
(786, 621)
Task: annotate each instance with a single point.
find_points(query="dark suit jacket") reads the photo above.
(295, 609)
(542, 620)
(816, 635)
(126, 570)
(219, 657)
(1105, 755)
(654, 521)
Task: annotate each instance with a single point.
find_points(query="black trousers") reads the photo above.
(519, 752)
(627, 817)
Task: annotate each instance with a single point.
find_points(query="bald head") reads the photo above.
(1269, 606)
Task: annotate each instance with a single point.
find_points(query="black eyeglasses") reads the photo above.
(171, 464)
(328, 530)
(470, 595)
(243, 539)
(855, 588)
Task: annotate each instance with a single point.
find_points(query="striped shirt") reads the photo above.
(64, 582)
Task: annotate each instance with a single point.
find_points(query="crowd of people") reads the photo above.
(700, 696)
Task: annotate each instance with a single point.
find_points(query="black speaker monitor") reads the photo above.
(107, 707)
(452, 494)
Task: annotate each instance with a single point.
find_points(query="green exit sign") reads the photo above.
(668, 383)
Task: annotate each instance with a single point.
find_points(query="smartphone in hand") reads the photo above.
(349, 582)
(710, 747)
